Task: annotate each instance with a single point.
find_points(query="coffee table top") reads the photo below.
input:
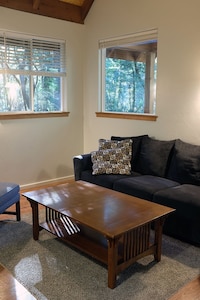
(109, 212)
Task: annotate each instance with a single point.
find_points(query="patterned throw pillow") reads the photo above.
(109, 144)
(112, 158)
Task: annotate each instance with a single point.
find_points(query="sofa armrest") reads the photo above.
(81, 163)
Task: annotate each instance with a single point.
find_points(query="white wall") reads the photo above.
(35, 150)
(178, 83)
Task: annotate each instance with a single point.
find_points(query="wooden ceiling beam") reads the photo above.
(51, 8)
(85, 8)
(36, 4)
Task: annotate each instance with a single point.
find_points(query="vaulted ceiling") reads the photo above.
(68, 10)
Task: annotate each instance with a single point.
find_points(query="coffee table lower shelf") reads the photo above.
(77, 239)
(118, 253)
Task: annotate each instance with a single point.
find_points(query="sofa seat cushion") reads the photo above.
(184, 223)
(105, 180)
(9, 195)
(184, 198)
(143, 186)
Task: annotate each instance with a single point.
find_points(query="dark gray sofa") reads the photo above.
(164, 172)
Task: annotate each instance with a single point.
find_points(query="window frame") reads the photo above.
(136, 38)
(62, 112)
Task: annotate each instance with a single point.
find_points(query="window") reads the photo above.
(128, 69)
(31, 74)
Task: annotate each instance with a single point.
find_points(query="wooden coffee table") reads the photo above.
(112, 227)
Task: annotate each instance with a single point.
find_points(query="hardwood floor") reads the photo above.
(190, 291)
(10, 289)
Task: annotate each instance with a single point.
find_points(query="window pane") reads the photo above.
(31, 72)
(125, 86)
(14, 93)
(47, 93)
(15, 54)
(46, 56)
(128, 76)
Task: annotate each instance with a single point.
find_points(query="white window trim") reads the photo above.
(143, 36)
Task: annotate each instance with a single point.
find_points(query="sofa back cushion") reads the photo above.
(185, 163)
(154, 157)
(135, 146)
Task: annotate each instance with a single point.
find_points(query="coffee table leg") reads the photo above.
(112, 262)
(158, 238)
(35, 219)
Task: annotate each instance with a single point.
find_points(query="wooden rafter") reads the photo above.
(85, 8)
(36, 4)
(75, 2)
(52, 8)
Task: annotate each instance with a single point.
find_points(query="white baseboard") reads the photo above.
(46, 182)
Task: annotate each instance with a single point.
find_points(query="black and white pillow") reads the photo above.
(113, 157)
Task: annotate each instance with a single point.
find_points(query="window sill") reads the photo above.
(143, 117)
(31, 115)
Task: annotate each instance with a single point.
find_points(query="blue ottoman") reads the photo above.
(9, 195)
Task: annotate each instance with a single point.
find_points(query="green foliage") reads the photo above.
(47, 94)
(125, 85)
